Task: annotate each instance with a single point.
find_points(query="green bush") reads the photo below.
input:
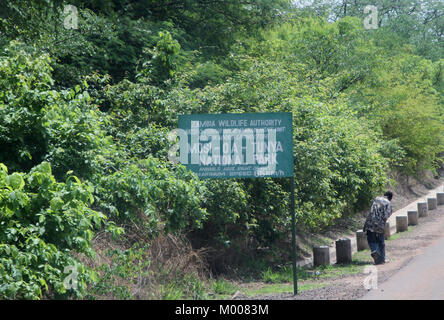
(337, 163)
(150, 193)
(42, 222)
(39, 124)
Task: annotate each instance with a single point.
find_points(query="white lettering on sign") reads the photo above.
(234, 146)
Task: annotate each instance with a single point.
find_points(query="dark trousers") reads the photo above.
(376, 243)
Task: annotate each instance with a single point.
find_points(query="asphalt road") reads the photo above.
(421, 279)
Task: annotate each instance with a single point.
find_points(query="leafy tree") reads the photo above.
(39, 123)
(162, 64)
(418, 22)
(407, 107)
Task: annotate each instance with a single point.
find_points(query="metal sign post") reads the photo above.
(244, 145)
(293, 238)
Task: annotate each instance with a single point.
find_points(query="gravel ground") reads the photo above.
(399, 253)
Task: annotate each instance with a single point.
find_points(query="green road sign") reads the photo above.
(245, 145)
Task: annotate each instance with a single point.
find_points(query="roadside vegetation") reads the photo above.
(85, 181)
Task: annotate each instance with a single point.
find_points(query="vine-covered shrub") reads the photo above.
(42, 222)
(38, 123)
(150, 194)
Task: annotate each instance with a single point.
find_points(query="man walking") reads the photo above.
(380, 211)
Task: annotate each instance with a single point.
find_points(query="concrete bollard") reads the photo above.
(440, 198)
(422, 209)
(432, 203)
(343, 251)
(387, 230)
(321, 256)
(401, 223)
(361, 240)
(412, 217)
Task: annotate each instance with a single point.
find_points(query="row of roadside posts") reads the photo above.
(321, 254)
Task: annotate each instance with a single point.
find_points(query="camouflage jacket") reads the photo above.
(380, 211)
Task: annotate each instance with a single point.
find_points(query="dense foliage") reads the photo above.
(42, 222)
(93, 107)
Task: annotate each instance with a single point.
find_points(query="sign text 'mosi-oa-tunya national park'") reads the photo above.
(247, 145)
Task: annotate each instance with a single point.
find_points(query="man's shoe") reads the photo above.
(383, 261)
